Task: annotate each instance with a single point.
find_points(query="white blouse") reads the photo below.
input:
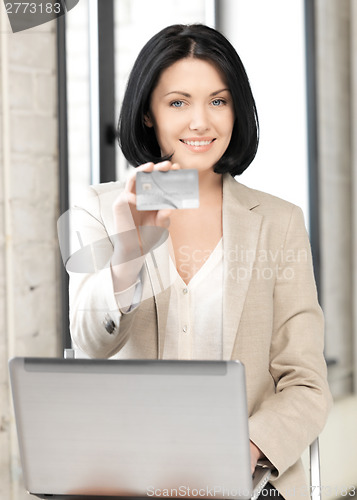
(195, 323)
(194, 327)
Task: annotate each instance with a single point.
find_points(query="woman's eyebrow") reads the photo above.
(185, 94)
(219, 91)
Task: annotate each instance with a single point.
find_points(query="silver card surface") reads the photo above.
(167, 189)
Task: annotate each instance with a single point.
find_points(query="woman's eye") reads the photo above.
(218, 102)
(177, 104)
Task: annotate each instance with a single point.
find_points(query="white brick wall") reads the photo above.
(29, 259)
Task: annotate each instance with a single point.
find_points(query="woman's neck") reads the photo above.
(210, 187)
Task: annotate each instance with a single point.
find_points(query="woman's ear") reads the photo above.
(147, 120)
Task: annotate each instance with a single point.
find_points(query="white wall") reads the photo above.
(269, 37)
(29, 257)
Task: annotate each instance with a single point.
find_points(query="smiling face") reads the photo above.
(191, 110)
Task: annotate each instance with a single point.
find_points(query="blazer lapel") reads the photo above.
(241, 228)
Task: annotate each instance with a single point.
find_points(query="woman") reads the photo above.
(234, 279)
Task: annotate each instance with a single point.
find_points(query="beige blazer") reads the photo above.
(272, 320)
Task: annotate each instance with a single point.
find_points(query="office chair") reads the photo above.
(314, 451)
(315, 477)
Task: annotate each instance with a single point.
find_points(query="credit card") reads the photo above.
(160, 189)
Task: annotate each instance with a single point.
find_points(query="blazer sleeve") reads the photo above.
(288, 421)
(98, 325)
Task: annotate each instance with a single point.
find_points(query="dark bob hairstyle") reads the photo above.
(138, 142)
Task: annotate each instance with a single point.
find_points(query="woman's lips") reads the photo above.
(200, 145)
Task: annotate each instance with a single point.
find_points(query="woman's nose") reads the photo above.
(199, 119)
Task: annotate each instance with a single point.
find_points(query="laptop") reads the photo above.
(133, 428)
